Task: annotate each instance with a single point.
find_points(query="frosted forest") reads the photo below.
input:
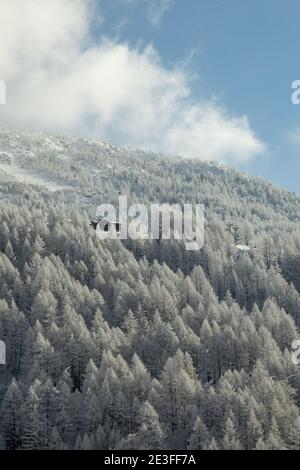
(142, 344)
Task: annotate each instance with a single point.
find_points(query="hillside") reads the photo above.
(142, 344)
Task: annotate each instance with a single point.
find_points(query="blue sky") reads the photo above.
(207, 79)
(245, 53)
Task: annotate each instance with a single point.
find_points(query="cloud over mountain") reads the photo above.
(59, 78)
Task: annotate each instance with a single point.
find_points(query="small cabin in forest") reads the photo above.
(106, 224)
(241, 250)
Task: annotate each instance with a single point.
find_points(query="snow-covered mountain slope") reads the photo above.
(56, 162)
(105, 337)
(89, 167)
(240, 210)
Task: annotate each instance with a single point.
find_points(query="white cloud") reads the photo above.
(157, 9)
(59, 80)
(294, 136)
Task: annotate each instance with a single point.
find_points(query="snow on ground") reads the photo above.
(24, 175)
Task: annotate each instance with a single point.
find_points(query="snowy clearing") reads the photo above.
(32, 177)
